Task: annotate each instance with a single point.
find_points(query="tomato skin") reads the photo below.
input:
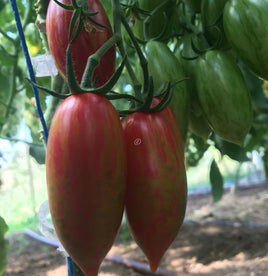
(86, 44)
(164, 67)
(156, 181)
(85, 170)
(224, 96)
(197, 121)
(246, 27)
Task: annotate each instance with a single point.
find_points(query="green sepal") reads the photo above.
(50, 92)
(66, 7)
(75, 15)
(115, 96)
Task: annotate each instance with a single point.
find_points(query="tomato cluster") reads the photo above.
(210, 40)
(99, 162)
(98, 166)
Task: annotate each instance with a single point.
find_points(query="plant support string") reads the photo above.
(35, 91)
(29, 66)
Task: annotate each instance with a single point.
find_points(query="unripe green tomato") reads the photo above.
(246, 27)
(224, 96)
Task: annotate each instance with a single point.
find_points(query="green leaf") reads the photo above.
(4, 244)
(38, 153)
(234, 151)
(216, 181)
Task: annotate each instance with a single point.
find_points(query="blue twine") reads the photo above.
(29, 66)
(70, 266)
(35, 91)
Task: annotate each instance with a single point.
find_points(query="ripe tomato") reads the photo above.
(246, 26)
(85, 169)
(57, 27)
(156, 181)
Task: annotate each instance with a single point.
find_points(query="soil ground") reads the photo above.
(204, 246)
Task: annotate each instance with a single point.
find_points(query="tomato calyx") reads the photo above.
(133, 8)
(165, 93)
(81, 17)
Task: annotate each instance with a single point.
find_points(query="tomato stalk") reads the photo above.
(142, 59)
(119, 17)
(147, 92)
(94, 60)
(73, 84)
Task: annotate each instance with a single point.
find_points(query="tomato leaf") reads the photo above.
(38, 153)
(216, 181)
(234, 151)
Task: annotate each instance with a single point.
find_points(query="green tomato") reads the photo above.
(211, 17)
(198, 123)
(246, 27)
(224, 96)
(165, 67)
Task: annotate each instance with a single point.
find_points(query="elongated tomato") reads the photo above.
(89, 40)
(156, 181)
(85, 169)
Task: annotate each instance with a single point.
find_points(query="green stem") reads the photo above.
(3, 33)
(13, 89)
(117, 16)
(41, 11)
(143, 60)
(187, 22)
(27, 15)
(94, 60)
(41, 8)
(58, 84)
